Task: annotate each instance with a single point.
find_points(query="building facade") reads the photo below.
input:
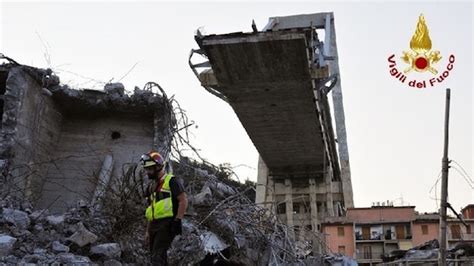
(367, 234)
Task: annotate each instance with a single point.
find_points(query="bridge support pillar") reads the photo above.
(328, 176)
(289, 203)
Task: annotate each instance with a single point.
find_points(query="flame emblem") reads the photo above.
(421, 58)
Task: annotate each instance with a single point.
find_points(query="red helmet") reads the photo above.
(152, 158)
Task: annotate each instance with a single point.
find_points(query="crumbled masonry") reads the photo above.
(93, 213)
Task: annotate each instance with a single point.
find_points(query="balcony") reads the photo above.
(460, 236)
(369, 257)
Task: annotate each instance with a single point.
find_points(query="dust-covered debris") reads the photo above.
(108, 250)
(429, 251)
(6, 244)
(222, 223)
(82, 236)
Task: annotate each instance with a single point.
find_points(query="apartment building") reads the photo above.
(366, 234)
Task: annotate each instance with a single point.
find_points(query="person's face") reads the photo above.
(153, 172)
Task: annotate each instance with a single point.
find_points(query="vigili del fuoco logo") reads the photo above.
(421, 58)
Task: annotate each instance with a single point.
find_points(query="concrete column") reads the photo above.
(270, 194)
(289, 203)
(262, 182)
(339, 117)
(314, 213)
(312, 202)
(102, 183)
(329, 201)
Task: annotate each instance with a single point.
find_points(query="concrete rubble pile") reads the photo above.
(86, 230)
(36, 236)
(225, 225)
(222, 223)
(429, 251)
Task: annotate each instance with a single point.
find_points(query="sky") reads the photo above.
(394, 132)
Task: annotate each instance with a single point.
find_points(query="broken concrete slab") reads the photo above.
(55, 220)
(212, 243)
(57, 247)
(71, 258)
(109, 250)
(112, 262)
(38, 215)
(16, 217)
(38, 228)
(83, 236)
(34, 258)
(40, 251)
(202, 198)
(115, 89)
(6, 244)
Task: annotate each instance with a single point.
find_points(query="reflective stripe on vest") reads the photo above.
(163, 208)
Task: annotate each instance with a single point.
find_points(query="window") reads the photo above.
(341, 250)
(308, 227)
(388, 234)
(400, 231)
(300, 183)
(367, 252)
(296, 207)
(279, 181)
(365, 232)
(340, 231)
(306, 207)
(468, 229)
(456, 231)
(321, 206)
(408, 230)
(281, 208)
(424, 229)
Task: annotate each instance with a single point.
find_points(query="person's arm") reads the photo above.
(183, 204)
(177, 189)
(147, 223)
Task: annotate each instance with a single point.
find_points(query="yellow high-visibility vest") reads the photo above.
(163, 208)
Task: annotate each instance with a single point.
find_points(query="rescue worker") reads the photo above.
(167, 205)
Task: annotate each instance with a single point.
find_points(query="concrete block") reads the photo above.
(55, 220)
(19, 218)
(83, 236)
(109, 250)
(6, 244)
(59, 248)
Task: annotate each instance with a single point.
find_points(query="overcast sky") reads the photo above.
(395, 133)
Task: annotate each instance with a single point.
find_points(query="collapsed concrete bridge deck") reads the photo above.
(277, 81)
(267, 81)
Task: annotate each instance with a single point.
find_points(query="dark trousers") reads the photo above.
(161, 237)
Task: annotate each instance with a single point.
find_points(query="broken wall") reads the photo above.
(30, 129)
(55, 139)
(81, 150)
